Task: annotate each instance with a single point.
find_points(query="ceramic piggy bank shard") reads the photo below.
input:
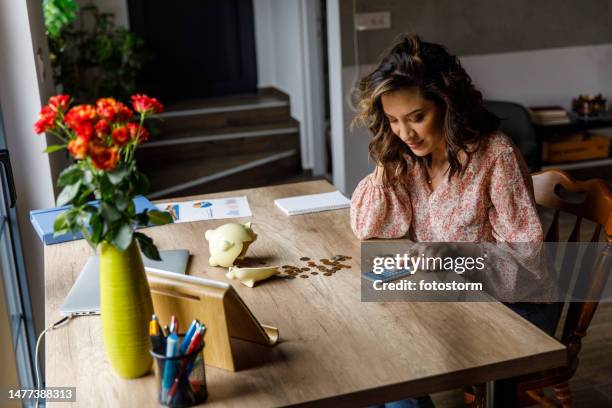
(229, 242)
(248, 276)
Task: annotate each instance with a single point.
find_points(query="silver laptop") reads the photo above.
(84, 297)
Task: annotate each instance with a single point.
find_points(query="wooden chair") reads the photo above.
(596, 207)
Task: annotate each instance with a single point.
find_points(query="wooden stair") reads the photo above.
(205, 146)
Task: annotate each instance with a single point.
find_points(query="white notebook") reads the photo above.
(313, 203)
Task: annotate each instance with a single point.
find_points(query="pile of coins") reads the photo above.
(326, 267)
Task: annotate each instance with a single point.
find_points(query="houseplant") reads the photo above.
(90, 54)
(102, 139)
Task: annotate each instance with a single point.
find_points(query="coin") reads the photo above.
(311, 263)
(304, 258)
(287, 266)
(290, 277)
(328, 274)
(304, 276)
(314, 273)
(305, 269)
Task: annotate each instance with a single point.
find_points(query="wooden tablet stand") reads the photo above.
(214, 303)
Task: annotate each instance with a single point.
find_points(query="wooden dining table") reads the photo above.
(334, 349)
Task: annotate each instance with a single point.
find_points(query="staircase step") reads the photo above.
(222, 142)
(188, 177)
(268, 106)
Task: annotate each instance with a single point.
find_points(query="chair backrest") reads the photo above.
(516, 123)
(595, 267)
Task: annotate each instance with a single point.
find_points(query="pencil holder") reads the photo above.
(187, 386)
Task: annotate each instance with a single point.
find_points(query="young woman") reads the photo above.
(444, 172)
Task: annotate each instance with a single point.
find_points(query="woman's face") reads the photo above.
(415, 120)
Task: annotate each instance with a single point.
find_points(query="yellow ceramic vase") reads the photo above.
(126, 308)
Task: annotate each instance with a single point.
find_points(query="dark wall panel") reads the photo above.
(469, 27)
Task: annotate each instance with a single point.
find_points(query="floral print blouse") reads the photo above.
(491, 202)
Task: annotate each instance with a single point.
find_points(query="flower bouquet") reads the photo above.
(103, 138)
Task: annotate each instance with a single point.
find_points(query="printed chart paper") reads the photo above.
(213, 209)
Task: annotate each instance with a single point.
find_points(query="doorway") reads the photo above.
(198, 49)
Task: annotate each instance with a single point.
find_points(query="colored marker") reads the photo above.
(186, 368)
(174, 324)
(169, 367)
(195, 325)
(158, 341)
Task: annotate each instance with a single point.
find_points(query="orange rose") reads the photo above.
(133, 128)
(121, 135)
(102, 128)
(145, 104)
(84, 131)
(110, 109)
(106, 108)
(46, 120)
(124, 113)
(78, 148)
(80, 114)
(59, 102)
(104, 158)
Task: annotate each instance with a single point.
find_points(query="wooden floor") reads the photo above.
(591, 385)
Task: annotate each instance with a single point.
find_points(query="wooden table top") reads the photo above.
(333, 349)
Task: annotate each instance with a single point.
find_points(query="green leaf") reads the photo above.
(96, 228)
(123, 237)
(68, 193)
(106, 187)
(160, 217)
(54, 148)
(142, 218)
(90, 209)
(87, 177)
(57, 14)
(117, 175)
(60, 226)
(70, 175)
(131, 209)
(83, 218)
(83, 197)
(121, 201)
(147, 246)
(109, 212)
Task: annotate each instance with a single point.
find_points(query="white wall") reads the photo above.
(543, 77)
(20, 99)
(288, 47)
(264, 43)
(539, 77)
(337, 90)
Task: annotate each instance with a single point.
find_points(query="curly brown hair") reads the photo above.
(440, 78)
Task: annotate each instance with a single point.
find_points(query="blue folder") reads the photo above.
(43, 220)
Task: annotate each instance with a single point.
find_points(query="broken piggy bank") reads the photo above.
(248, 276)
(229, 242)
